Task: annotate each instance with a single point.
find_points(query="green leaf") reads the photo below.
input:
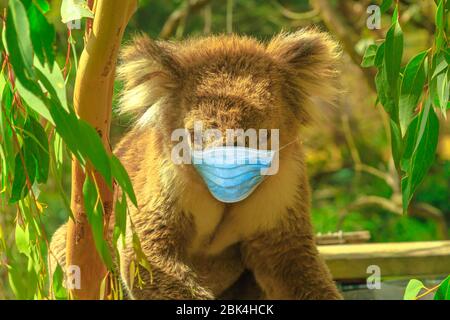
(22, 237)
(53, 80)
(426, 139)
(22, 282)
(82, 139)
(440, 16)
(440, 40)
(369, 56)
(385, 94)
(443, 293)
(38, 144)
(441, 67)
(120, 223)
(396, 143)
(443, 90)
(92, 146)
(59, 291)
(393, 57)
(5, 129)
(379, 57)
(18, 32)
(94, 213)
(396, 15)
(66, 124)
(385, 6)
(75, 10)
(411, 89)
(409, 144)
(42, 35)
(412, 289)
(43, 4)
(33, 101)
(123, 179)
(19, 186)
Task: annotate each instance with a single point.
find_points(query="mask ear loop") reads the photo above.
(288, 144)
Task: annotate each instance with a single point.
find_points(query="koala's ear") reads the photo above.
(309, 59)
(149, 71)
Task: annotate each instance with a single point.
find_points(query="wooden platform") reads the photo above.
(399, 259)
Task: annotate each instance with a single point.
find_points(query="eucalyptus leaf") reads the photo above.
(34, 101)
(369, 56)
(393, 57)
(412, 289)
(422, 157)
(42, 36)
(38, 144)
(75, 10)
(123, 179)
(411, 89)
(94, 213)
(22, 237)
(18, 30)
(59, 292)
(443, 293)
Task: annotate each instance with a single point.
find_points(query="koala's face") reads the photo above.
(228, 83)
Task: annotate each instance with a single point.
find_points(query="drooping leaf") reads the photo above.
(42, 36)
(59, 292)
(5, 129)
(443, 293)
(92, 146)
(18, 35)
(422, 157)
(43, 4)
(369, 56)
(441, 67)
(38, 144)
(440, 16)
(379, 57)
(53, 81)
(409, 144)
(66, 125)
(20, 174)
(94, 213)
(396, 143)
(412, 289)
(385, 94)
(443, 90)
(385, 5)
(393, 57)
(22, 237)
(120, 222)
(122, 178)
(411, 89)
(74, 10)
(33, 101)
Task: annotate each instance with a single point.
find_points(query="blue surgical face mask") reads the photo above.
(232, 173)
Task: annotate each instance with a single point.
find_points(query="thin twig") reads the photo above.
(178, 15)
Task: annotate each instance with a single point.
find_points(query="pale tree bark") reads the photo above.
(93, 103)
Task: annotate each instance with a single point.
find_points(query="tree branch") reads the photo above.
(346, 35)
(179, 15)
(93, 103)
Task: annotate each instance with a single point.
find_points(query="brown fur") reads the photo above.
(197, 246)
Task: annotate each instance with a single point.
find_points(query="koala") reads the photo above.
(198, 247)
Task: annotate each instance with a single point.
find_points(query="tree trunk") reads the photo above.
(93, 103)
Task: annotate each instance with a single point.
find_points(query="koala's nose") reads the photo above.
(227, 138)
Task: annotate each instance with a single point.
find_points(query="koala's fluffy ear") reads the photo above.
(149, 70)
(309, 60)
